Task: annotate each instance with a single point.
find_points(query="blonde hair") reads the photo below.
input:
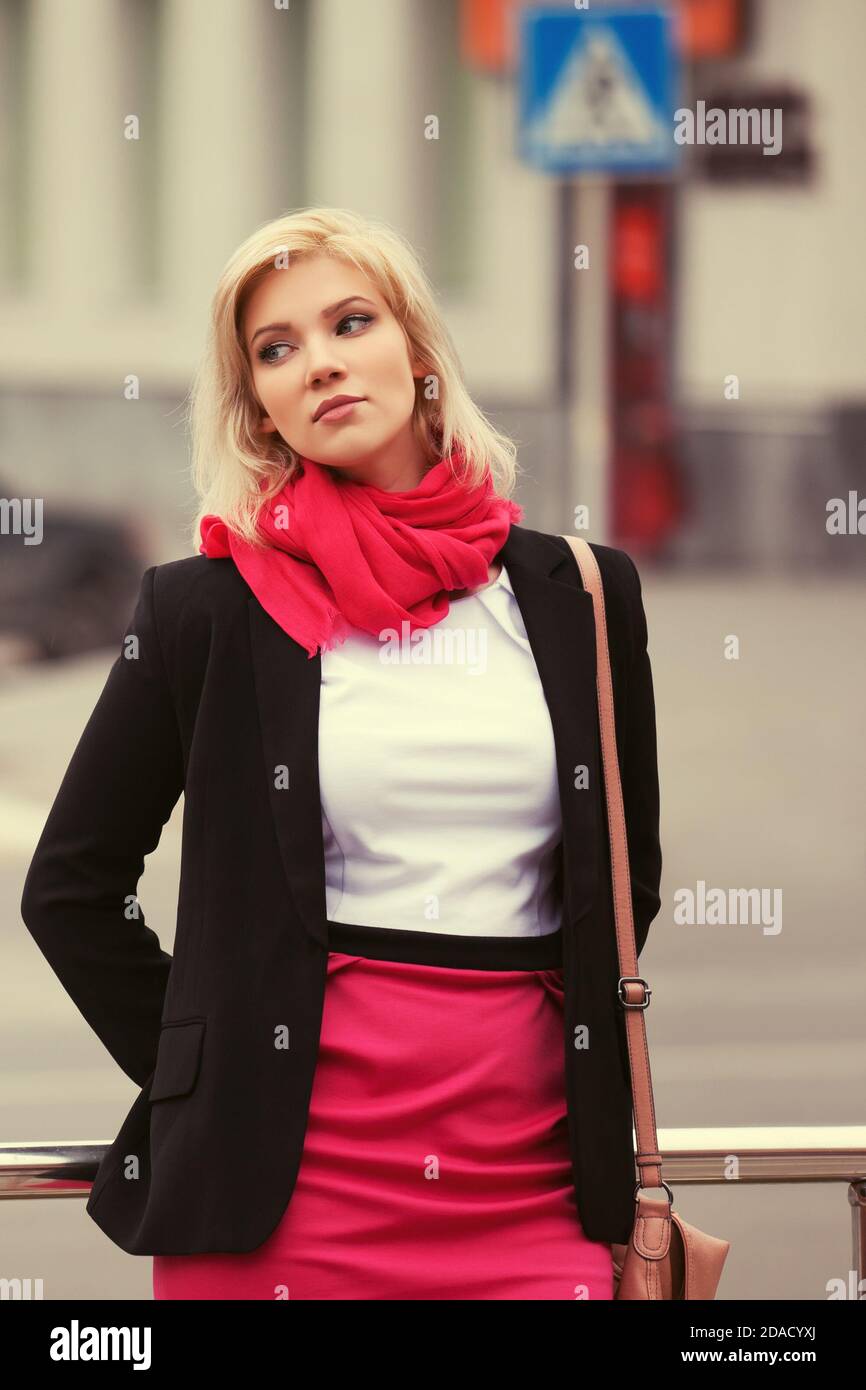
(235, 471)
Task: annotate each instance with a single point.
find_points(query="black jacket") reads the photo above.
(213, 700)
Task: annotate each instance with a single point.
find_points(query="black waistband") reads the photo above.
(447, 948)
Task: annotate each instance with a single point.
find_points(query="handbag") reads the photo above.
(664, 1258)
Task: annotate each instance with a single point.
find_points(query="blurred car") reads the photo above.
(74, 591)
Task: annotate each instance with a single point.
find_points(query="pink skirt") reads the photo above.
(436, 1160)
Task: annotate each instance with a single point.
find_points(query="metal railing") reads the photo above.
(727, 1155)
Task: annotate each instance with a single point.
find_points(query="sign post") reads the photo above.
(597, 94)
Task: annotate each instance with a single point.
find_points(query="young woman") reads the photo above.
(387, 1058)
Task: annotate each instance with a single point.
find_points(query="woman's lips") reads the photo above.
(338, 412)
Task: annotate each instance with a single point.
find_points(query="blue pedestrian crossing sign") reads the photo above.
(598, 89)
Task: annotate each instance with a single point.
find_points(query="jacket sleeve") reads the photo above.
(640, 780)
(79, 900)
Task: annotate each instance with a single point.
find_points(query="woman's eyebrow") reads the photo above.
(326, 314)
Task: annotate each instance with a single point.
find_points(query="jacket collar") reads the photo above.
(558, 616)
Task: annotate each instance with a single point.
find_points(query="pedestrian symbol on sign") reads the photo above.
(599, 100)
(597, 91)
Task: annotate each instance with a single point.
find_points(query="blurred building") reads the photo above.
(144, 139)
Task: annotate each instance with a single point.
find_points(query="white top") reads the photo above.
(437, 769)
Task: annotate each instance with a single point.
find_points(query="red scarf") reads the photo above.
(342, 554)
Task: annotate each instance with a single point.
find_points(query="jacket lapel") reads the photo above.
(287, 689)
(558, 616)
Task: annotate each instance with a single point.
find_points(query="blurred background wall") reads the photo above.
(110, 248)
(616, 382)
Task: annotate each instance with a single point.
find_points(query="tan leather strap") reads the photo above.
(633, 989)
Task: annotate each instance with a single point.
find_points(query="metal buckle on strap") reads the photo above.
(634, 980)
(638, 1187)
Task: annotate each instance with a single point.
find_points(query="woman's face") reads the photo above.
(320, 329)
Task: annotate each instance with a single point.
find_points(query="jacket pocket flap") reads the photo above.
(178, 1058)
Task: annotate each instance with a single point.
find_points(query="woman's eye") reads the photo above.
(365, 318)
(263, 352)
